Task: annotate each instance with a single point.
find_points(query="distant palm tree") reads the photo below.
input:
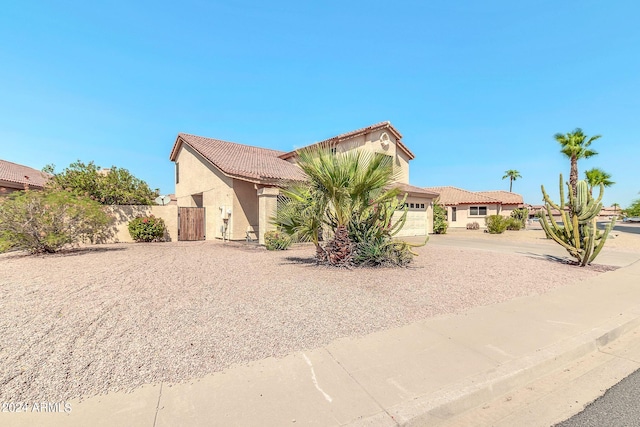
(575, 146)
(597, 176)
(615, 209)
(512, 174)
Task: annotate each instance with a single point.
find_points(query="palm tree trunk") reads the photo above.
(510, 184)
(573, 175)
(339, 251)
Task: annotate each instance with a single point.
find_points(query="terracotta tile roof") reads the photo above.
(20, 175)
(241, 161)
(358, 132)
(455, 196)
(412, 189)
(506, 197)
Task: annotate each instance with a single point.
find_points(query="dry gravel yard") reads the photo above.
(114, 317)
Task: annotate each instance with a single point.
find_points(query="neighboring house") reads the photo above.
(465, 207)
(239, 184)
(606, 213)
(15, 177)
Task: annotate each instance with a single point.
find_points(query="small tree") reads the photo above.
(521, 214)
(440, 223)
(47, 221)
(351, 195)
(114, 186)
(634, 209)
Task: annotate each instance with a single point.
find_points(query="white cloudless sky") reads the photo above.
(475, 88)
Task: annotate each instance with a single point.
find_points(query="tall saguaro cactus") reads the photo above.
(578, 233)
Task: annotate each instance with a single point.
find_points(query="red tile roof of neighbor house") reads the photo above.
(505, 197)
(456, 196)
(21, 175)
(358, 132)
(241, 161)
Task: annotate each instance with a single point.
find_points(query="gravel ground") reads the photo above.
(114, 317)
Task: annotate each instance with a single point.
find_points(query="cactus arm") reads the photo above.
(603, 239)
(555, 237)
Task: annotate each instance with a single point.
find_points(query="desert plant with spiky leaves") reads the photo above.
(344, 192)
(578, 233)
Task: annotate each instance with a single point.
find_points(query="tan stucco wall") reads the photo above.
(372, 142)
(268, 203)
(123, 214)
(401, 160)
(245, 209)
(463, 217)
(197, 176)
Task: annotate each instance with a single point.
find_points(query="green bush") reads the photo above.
(513, 224)
(440, 223)
(47, 221)
(496, 224)
(522, 215)
(147, 229)
(473, 225)
(276, 240)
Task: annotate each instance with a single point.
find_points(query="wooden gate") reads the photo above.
(191, 224)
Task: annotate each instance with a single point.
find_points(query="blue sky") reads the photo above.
(475, 88)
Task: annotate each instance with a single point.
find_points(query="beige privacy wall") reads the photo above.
(123, 214)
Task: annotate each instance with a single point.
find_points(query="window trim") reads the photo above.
(478, 208)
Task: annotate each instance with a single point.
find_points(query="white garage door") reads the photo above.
(416, 224)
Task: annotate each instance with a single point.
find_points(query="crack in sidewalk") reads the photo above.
(362, 387)
(155, 418)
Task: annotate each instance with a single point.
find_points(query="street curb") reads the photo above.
(480, 389)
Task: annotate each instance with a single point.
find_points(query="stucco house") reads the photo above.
(465, 206)
(15, 177)
(238, 185)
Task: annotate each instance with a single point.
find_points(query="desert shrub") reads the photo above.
(522, 215)
(440, 223)
(513, 224)
(473, 225)
(47, 221)
(276, 240)
(146, 229)
(372, 232)
(496, 224)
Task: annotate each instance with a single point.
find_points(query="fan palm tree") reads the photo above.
(338, 188)
(575, 145)
(513, 175)
(597, 176)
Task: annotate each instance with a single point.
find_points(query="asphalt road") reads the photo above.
(618, 407)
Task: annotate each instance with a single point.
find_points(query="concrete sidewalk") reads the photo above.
(425, 373)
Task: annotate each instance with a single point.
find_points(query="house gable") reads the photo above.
(380, 138)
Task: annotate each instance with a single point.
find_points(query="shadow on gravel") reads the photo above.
(82, 251)
(65, 252)
(300, 260)
(600, 268)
